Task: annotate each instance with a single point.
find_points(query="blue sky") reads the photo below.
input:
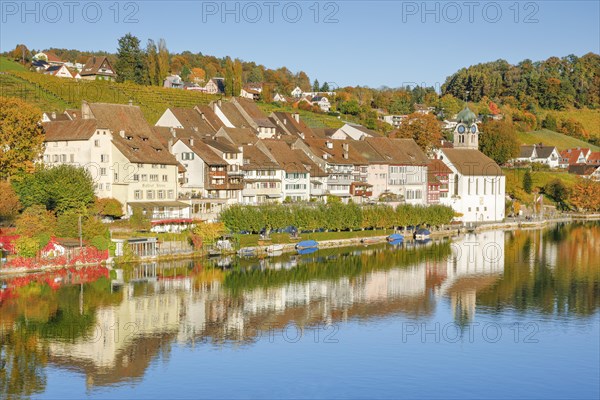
(371, 43)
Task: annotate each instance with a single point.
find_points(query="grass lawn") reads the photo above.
(282, 238)
(514, 181)
(313, 120)
(10, 65)
(552, 138)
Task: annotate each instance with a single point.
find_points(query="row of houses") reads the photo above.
(579, 161)
(196, 161)
(95, 68)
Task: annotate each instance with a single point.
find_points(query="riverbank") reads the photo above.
(356, 240)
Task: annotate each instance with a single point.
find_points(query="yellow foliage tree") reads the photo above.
(207, 233)
(584, 195)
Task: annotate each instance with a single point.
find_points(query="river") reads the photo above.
(493, 314)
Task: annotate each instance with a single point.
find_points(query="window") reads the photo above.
(137, 194)
(103, 171)
(144, 177)
(150, 194)
(136, 177)
(104, 158)
(171, 194)
(140, 165)
(116, 177)
(63, 158)
(108, 186)
(153, 177)
(154, 165)
(72, 158)
(295, 186)
(100, 186)
(96, 143)
(163, 166)
(161, 194)
(469, 209)
(165, 178)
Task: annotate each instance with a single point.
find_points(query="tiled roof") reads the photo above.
(438, 167)
(69, 130)
(191, 118)
(239, 136)
(471, 162)
(132, 135)
(255, 159)
(210, 117)
(234, 116)
(398, 151)
(93, 65)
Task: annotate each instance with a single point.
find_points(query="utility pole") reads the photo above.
(80, 234)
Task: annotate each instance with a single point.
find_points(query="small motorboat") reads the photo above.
(397, 242)
(307, 244)
(308, 250)
(247, 252)
(274, 248)
(395, 237)
(422, 234)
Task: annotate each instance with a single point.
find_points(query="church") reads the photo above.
(476, 186)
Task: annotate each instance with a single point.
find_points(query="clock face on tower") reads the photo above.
(473, 128)
(461, 129)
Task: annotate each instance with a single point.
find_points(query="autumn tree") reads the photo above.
(198, 75)
(422, 128)
(207, 233)
(21, 136)
(36, 221)
(163, 61)
(9, 202)
(237, 77)
(584, 195)
(108, 207)
(21, 54)
(152, 62)
(498, 140)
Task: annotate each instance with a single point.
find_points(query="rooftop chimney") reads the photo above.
(170, 145)
(329, 145)
(191, 141)
(173, 132)
(122, 133)
(297, 117)
(130, 102)
(53, 114)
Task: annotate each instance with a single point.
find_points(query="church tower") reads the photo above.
(466, 133)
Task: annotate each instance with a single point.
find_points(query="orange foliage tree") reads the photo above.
(584, 195)
(423, 129)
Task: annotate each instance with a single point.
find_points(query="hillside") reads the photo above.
(552, 138)
(9, 65)
(514, 181)
(590, 119)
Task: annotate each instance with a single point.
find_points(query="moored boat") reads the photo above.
(247, 252)
(274, 248)
(368, 240)
(307, 244)
(395, 237)
(422, 234)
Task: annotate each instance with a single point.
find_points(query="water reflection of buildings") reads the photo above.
(163, 310)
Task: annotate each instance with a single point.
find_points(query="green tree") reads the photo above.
(550, 122)
(131, 63)
(60, 188)
(21, 136)
(557, 191)
(316, 86)
(498, 140)
(527, 182)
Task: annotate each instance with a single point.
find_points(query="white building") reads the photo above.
(125, 159)
(477, 187)
(539, 153)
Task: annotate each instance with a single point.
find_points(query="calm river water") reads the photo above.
(497, 314)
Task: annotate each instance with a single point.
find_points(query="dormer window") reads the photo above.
(135, 148)
(129, 137)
